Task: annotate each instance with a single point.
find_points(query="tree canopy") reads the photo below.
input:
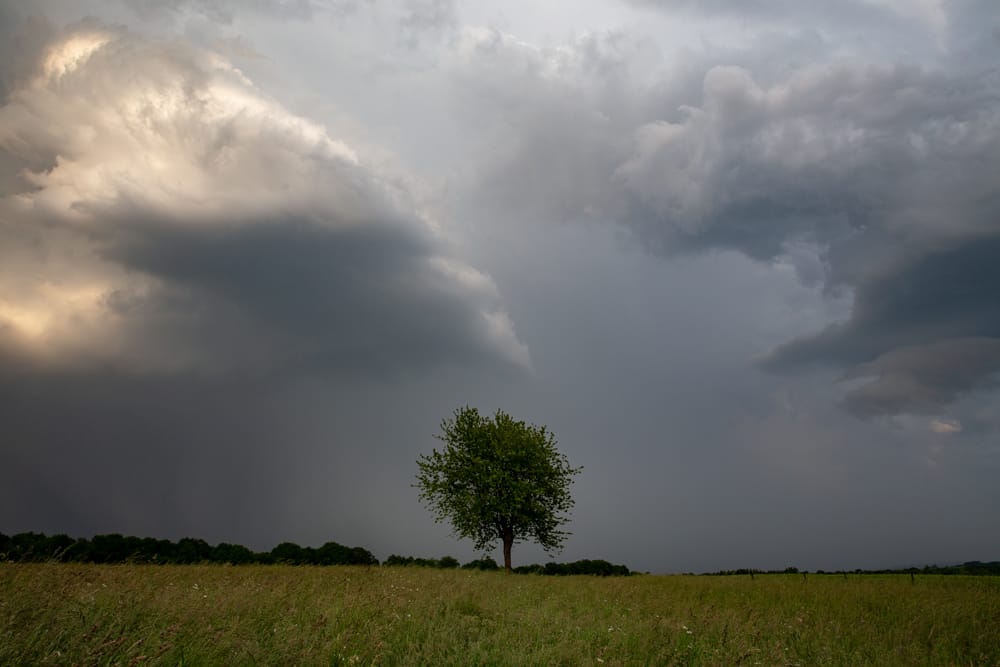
(116, 548)
(497, 479)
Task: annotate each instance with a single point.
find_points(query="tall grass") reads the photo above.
(52, 614)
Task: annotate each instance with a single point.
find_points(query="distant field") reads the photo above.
(279, 615)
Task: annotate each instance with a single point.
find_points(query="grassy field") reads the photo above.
(273, 615)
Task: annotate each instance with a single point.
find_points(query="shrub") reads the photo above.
(448, 562)
(481, 564)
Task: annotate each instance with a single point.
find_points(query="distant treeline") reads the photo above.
(601, 568)
(115, 548)
(972, 567)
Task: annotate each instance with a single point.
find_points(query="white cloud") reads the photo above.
(157, 197)
(945, 426)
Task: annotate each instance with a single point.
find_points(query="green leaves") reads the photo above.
(497, 474)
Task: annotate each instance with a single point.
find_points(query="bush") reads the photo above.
(361, 556)
(600, 568)
(235, 554)
(481, 564)
(445, 561)
(529, 569)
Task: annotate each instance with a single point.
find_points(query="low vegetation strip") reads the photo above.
(78, 614)
(115, 548)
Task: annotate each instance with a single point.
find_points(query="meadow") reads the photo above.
(73, 614)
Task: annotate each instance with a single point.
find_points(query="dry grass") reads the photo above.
(205, 615)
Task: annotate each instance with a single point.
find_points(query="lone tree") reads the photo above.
(497, 479)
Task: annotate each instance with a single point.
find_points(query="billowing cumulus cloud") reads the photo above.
(928, 329)
(870, 165)
(872, 176)
(161, 215)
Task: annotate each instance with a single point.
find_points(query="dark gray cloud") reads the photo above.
(873, 177)
(836, 150)
(869, 200)
(920, 379)
(947, 294)
(368, 299)
(928, 331)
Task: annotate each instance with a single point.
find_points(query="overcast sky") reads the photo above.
(742, 258)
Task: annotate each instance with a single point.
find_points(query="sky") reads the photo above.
(741, 258)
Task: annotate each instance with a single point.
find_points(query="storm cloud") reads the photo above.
(166, 216)
(868, 165)
(740, 257)
(873, 177)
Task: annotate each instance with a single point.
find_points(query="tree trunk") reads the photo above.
(508, 542)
